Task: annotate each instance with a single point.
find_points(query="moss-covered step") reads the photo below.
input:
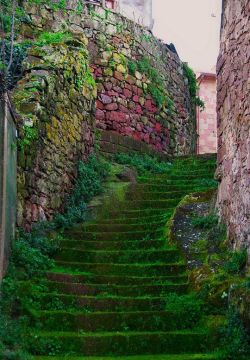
(161, 218)
(113, 245)
(183, 177)
(114, 235)
(158, 269)
(155, 195)
(212, 356)
(116, 290)
(137, 213)
(170, 255)
(62, 320)
(102, 227)
(119, 344)
(164, 187)
(60, 275)
(49, 301)
(151, 204)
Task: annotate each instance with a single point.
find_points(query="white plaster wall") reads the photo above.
(138, 10)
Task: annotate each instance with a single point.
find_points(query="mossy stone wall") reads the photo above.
(132, 85)
(150, 103)
(55, 107)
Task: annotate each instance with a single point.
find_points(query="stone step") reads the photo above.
(162, 187)
(138, 213)
(166, 204)
(180, 182)
(116, 290)
(188, 176)
(120, 257)
(61, 320)
(58, 276)
(48, 301)
(139, 220)
(114, 235)
(212, 356)
(160, 269)
(119, 344)
(113, 245)
(155, 195)
(102, 227)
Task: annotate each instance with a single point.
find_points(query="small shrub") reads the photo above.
(47, 38)
(132, 67)
(236, 263)
(188, 307)
(91, 174)
(143, 163)
(205, 222)
(234, 339)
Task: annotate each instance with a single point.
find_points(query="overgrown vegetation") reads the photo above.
(32, 256)
(47, 38)
(143, 163)
(156, 88)
(221, 271)
(193, 86)
(235, 341)
(188, 307)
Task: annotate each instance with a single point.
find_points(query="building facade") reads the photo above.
(207, 118)
(139, 11)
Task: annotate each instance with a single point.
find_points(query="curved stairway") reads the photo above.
(106, 297)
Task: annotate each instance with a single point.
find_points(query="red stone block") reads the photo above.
(99, 114)
(138, 109)
(127, 93)
(123, 108)
(112, 106)
(105, 99)
(117, 116)
(118, 76)
(158, 127)
(99, 105)
(136, 98)
(108, 86)
(135, 89)
(128, 86)
(130, 79)
(139, 91)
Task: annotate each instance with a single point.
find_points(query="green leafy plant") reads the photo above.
(143, 163)
(29, 135)
(193, 86)
(188, 307)
(205, 222)
(88, 184)
(235, 343)
(236, 262)
(47, 38)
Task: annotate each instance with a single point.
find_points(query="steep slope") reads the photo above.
(106, 297)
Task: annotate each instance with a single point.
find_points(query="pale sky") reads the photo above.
(193, 26)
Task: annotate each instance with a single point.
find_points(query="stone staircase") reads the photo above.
(105, 299)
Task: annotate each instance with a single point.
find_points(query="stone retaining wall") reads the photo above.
(125, 104)
(59, 105)
(234, 122)
(56, 126)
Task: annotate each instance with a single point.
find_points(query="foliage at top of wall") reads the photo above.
(156, 86)
(193, 86)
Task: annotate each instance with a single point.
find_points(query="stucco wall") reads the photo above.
(233, 73)
(207, 118)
